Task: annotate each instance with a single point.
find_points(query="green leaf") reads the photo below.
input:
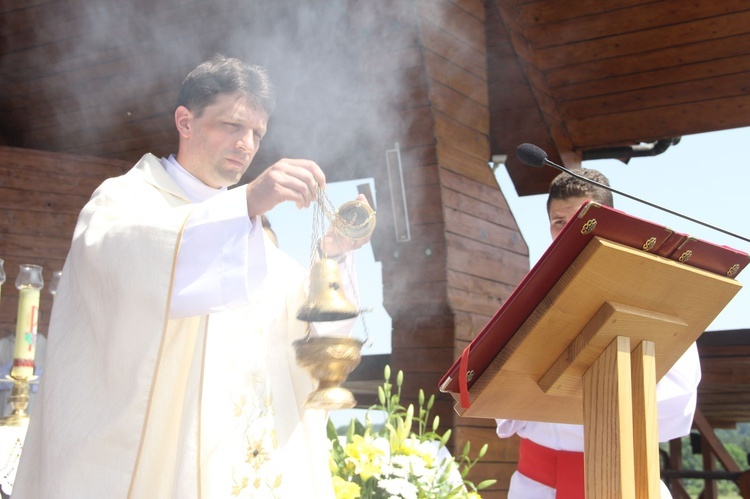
(359, 428)
(486, 483)
(445, 438)
(333, 436)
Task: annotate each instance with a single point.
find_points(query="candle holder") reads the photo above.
(19, 401)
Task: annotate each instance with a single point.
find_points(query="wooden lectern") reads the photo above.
(592, 350)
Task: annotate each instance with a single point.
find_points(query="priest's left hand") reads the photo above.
(334, 243)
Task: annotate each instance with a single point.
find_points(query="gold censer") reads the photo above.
(330, 359)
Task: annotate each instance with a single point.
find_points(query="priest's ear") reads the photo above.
(183, 120)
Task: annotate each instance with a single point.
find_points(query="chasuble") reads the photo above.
(135, 404)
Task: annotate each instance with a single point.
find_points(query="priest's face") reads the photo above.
(218, 145)
(562, 210)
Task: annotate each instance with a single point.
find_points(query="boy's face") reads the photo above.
(562, 210)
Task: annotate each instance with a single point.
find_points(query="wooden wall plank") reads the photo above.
(451, 75)
(648, 15)
(498, 291)
(416, 127)
(453, 49)
(459, 201)
(670, 121)
(115, 28)
(12, 6)
(658, 96)
(39, 201)
(475, 190)
(468, 301)
(68, 165)
(427, 331)
(452, 19)
(633, 43)
(458, 107)
(466, 139)
(549, 11)
(468, 325)
(45, 182)
(456, 160)
(658, 77)
(409, 272)
(473, 7)
(724, 47)
(153, 114)
(48, 223)
(425, 360)
(484, 260)
(486, 232)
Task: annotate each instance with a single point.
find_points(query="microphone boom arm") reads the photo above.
(686, 217)
(535, 156)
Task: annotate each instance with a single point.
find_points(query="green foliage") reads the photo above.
(737, 443)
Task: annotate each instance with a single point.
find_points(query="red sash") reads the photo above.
(558, 469)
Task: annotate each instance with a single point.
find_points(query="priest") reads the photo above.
(170, 371)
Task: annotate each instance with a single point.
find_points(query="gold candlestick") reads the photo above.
(19, 401)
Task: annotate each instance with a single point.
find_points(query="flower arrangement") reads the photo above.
(393, 461)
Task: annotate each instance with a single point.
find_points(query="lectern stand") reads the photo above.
(591, 353)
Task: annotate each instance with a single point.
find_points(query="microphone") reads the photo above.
(532, 155)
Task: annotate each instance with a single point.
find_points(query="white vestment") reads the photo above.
(136, 405)
(676, 396)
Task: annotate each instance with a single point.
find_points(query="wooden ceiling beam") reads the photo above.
(581, 25)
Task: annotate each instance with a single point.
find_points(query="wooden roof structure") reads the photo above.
(592, 78)
(87, 87)
(723, 394)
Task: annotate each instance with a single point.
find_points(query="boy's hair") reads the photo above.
(566, 186)
(225, 75)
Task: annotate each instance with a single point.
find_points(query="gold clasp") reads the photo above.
(588, 227)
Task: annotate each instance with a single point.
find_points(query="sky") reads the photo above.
(705, 176)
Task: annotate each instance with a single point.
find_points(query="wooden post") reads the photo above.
(645, 429)
(608, 424)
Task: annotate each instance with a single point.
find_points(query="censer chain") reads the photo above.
(325, 209)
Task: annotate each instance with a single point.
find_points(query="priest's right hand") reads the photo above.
(295, 180)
